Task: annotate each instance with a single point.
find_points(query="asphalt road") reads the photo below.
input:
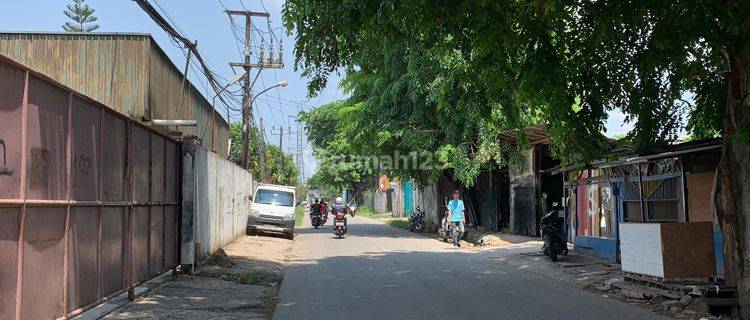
(379, 272)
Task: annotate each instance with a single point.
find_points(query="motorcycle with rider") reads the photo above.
(316, 216)
(340, 210)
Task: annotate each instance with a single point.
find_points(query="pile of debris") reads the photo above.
(483, 238)
(220, 259)
(681, 299)
(684, 299)
(497, 239)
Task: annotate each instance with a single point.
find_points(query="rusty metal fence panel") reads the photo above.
(88, 199)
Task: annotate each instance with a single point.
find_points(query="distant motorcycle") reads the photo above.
(339, 224)
(317, 219)
(416, 221)
(554, 232)
(352, 207)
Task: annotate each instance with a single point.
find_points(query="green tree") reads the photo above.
(281, 168)
(302, 190)
(324, 185)
(328, 131)
(470, 69)
(235, 150)
(82, 16)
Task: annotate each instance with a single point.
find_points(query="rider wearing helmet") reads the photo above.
(314, 207)
(339, 206)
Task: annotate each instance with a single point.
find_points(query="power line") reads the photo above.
(193, 46)
(247, 64)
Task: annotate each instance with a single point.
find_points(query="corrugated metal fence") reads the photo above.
(88, 199)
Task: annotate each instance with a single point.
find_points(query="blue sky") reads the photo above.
(205, 21)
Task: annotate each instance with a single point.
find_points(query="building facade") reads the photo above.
(616, 206)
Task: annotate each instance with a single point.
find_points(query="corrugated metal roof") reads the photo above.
(126, 71)
(76, 33)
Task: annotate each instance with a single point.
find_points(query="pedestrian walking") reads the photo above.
(457, 218)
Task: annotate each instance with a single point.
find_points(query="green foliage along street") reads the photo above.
(299, 215)
(281, 168)
(445, 79)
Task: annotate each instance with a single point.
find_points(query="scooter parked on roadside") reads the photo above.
(554, 232)
(446, 229)
(416, 221)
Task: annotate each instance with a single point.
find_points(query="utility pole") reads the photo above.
(247, 96)
(262, 152)
(299, 156)
(281, 141)
(281, 136)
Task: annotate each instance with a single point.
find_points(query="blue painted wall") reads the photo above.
(408, 197)
(600, 248)
(719, 251)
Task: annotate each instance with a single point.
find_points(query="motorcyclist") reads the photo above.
(352, 207)
(339, 205)
(324, 208)
(314, 207)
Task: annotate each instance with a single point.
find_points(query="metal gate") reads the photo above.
(88, 199)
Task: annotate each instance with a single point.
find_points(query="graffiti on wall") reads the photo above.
(4, 171)
(81, 169)
(39, 170)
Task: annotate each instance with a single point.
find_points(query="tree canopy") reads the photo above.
(281, 168)
(446, 77)
(328, 129)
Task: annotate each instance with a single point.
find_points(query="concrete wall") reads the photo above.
(426, 197)
(380, 201)
(215, 202)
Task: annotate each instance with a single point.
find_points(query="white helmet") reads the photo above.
(339, 200)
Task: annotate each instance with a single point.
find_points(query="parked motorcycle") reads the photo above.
(339, 224)
(554, 232)
(416, 221)
(446, 229)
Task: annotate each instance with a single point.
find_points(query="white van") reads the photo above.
(272, 210)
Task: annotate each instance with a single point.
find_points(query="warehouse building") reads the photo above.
(128, 72)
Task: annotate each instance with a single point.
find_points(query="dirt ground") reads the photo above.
(248, 289)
